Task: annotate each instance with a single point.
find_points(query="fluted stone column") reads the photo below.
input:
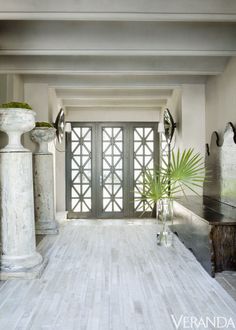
(19, 258)
(44, 182)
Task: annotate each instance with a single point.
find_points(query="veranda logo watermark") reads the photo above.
(193, 322)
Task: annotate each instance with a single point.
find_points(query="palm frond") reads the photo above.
(186, 170)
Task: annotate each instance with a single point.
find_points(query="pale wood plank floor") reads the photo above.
(111, 275)
(227, 279)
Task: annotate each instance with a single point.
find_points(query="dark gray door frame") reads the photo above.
(96, 157)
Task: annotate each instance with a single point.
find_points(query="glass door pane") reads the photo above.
(112, 169)
(143, 140)
(81, 170)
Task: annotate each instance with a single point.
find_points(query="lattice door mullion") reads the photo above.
(143, 160)
(81, 165)
(112, 169)
(112, 162)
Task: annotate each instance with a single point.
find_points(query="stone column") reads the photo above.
(19, 258)
(44, 182)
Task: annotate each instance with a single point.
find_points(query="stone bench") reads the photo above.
(208, 228)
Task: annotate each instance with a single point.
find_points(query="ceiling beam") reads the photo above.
(117, 38)
(113, 92)
(115, 80)
(96, 16)
(124, 64)
(112, 109)
(120, 7)
(116, 52)
(114, 102)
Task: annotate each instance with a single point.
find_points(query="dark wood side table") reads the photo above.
(208, 229)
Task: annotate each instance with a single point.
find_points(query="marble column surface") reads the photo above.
(19, 257)
(44, 194)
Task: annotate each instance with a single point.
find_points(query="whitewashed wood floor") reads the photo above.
(111, 275)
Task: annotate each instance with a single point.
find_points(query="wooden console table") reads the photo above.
(208, 229)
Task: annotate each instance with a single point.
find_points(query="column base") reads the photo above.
(46, 228)
(7, 273)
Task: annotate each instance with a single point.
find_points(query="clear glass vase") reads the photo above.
(164, 208)
(164, 236)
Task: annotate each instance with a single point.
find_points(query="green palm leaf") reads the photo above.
(185, 171)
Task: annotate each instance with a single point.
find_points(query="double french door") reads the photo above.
(105, 163)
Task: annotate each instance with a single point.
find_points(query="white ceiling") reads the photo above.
(116, 54)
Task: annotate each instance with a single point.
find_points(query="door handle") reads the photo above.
(100, 180)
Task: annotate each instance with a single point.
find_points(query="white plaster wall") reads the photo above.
(36, 95)
(11, 88)
(129, 115)
(193, 117)
(15, 88)
(187, 106)
(3, 88)
(221, 100)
